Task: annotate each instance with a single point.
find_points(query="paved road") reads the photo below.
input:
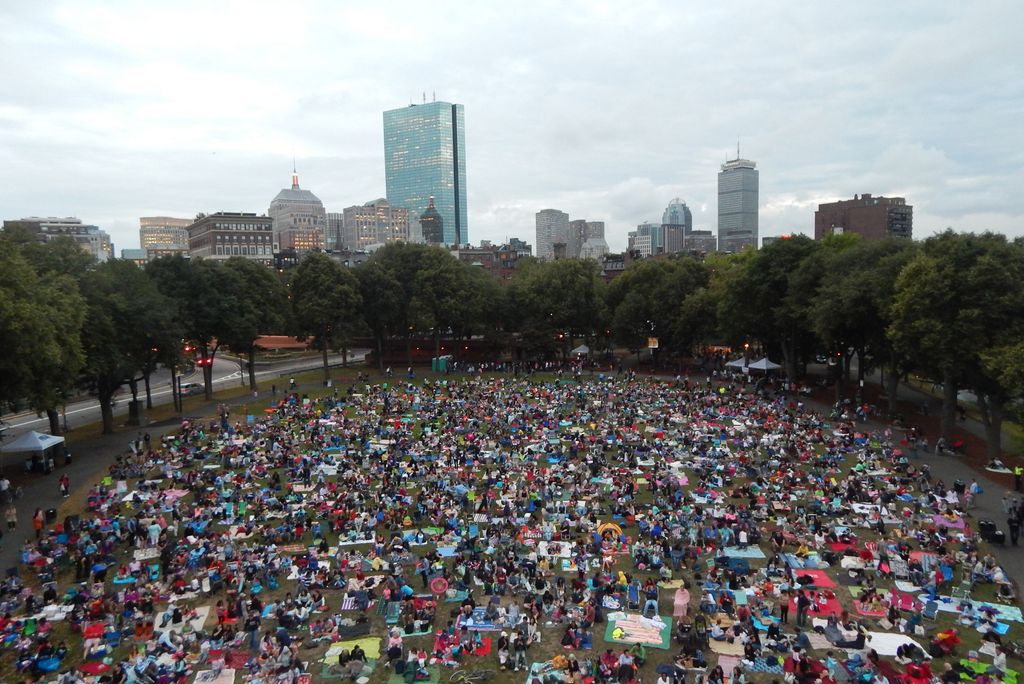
(226, 373)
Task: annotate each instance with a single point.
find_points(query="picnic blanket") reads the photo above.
(370, 646)
(948, 604)
(202, 612)
(477, 622)
(625, 628)
(886, 643)
(554, 549)
(225, 676)
(681, 602)
(433, 670)
(819, 578)
(820, 607)
(750, 553)
(725, 648)
(943, 521)
(862, 609)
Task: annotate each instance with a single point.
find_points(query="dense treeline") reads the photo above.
(950, 308)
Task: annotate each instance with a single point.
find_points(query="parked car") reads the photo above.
(190, 388)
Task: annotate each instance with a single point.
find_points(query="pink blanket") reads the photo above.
(681, 604)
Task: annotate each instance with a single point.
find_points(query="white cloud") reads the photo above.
(113, 110)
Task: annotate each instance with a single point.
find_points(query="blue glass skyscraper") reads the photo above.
(424, 156)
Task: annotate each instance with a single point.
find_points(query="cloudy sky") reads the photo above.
(606, 110)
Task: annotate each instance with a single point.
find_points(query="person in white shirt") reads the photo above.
(999, 660)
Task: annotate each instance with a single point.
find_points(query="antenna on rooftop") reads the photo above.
(433, 96)
(424, 97)
(737, 148)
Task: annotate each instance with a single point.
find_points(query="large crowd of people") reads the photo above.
(584, 528)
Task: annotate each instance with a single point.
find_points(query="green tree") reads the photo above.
(962, 298)
(554, 303)
(40, 321)
(58, 265)
(647, 300)
(380, 293)
(208, 299)
(326, 303)
(853, 309)
(767, 299)
(262, 307)
(123, 308)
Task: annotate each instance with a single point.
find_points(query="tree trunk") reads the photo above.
(408, 349)
(892, 384)
(208, 381)
(344, 356)
(437, 344)
(107, 412)
(948, 419)
(133, 407)
(327, 368)
(149, 394)
(54, 418)
(252, 368)
(789, 358)
(380, 352)
(992, 412)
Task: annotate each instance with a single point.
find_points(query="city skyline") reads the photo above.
(141, 139)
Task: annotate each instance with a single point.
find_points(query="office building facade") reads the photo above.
(163, 235)
(432, 225)
(299, 220)
(873, 218)
(656, 235)
(228, 234)
(552, 229)
(678, 214)
(335, 224)
(374, 224)
(90, 239)
(737, 205)
(575, 237)
(594, 245)
(424, 156)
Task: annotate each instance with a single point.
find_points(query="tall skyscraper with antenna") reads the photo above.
(424, 157)
(738, 183)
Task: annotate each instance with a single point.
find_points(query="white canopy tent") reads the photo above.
(764, 365)
(33, 441)
(582, 350)
(738, 363)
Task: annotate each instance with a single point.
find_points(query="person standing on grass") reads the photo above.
(802, 604)
(37, 522)
(65, 485)
(11, 515)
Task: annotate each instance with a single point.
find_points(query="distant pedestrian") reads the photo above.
(11, 515)
(1018, 473)
(1013, 522)
(65, 485)
(803, 603)
(37, 522)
